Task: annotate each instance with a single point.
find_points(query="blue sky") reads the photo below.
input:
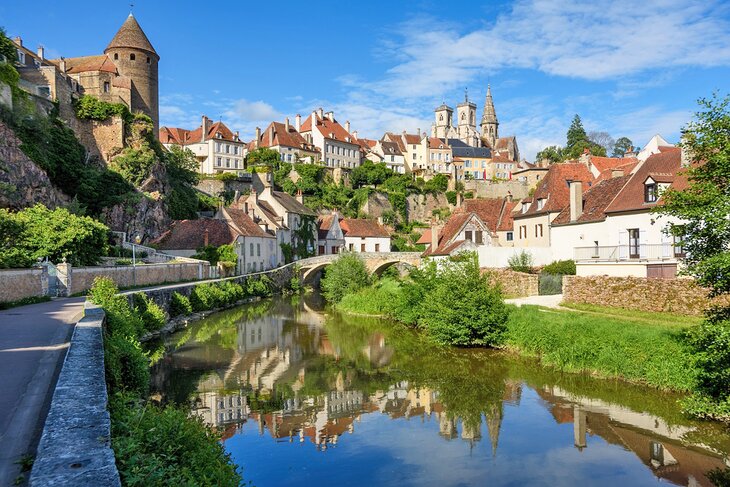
(627, 70)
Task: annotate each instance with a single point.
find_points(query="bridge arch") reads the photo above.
(376, 263)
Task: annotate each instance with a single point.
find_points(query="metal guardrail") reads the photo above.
(617, 253)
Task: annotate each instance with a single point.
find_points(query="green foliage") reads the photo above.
(24, 302)
(210, 296)
(260, 286)
(605, 346)
(562, 267)
(552, 153)
(135, 164)
(152, 315)
(345, 275)
(378, 299)
(710, 343)
(521, 262)
(166, 446)
(226, 176)
(213, 254)
(180, 305)
(305, 236)
(437, 184)
(463, 308)
(38, 232)
(370, 173)
(622, 146)
(288, 252)
(451, 197)
(720, 477)
(263, 156)
(7, 47)
(90, 108)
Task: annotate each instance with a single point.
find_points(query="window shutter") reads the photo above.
(623, 244)
(642, 244)
(666, 246)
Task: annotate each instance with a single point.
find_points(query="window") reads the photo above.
(251, 249)
(228, 162)
(634, 245)
(218, 161)
(678, 241)
(525, 207)
(362, 247)
(131, 57)
(351, 247)
(478, 237)
(650, 192)
(148, 59)
(21, 57)
(258, 250)
(321, 250)
(106, 87)
(538, 230)
(467, 235)
(377, 247)
(540, 203)
(510, 236)
(228, 149)
(116, 56)
(235, 149)
(523, 231)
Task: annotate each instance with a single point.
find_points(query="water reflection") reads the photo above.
(284, 372)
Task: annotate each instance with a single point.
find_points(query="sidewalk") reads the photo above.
(33, 343)
(551, 301)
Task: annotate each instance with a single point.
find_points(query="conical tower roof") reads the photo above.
(131, 35)
(489, 116)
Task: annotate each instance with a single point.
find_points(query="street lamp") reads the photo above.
(137, 239)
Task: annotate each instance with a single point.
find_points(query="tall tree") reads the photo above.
(553, 153)
(576, 133)
(7, 47)
(603, 139)
(622, 146)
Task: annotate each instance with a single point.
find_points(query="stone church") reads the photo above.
(466, 131)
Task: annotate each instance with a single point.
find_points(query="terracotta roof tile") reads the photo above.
(595, 201)
(329, 129)
(554, 188)
(360, 227)
(131, 35)
(455, 222)
(89, 63)
(244, 224)
(664, 165)
(282, 137)
(190, 234)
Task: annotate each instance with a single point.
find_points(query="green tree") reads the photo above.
(370, 173)
(11, 232)
(552, 153)
(345, 275)
(704, 207)
(577, 141)
(7, 48)
(437, 184)
(263, 156)
(622, 146)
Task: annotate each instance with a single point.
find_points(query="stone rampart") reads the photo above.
(514, 284)
(75, 446)
(681, 296)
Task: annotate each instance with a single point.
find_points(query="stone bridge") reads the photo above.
(376, 262)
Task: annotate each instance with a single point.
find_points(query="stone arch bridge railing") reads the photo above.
(376, 262)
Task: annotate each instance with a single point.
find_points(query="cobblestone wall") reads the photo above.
(514, 284)
(17, 284)
(681, 296)
(142, 275)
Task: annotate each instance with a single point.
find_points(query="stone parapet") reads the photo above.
(75, 447)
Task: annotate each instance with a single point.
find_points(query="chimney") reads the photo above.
(585, 158)
(235, 135)
(331, 116)
(630, 153)
(18, 41)
(509, 197)
(617, 173)
(271, 135)
(258, 137)
(434, 237)
(62, 65)
(354, 134)
(320, 112)
(236, 196)
(298, 122)
(347, 126)
(314, 120)
(255, 195)
(41, 52)
(300, 196)
(205, 238)
(286, 125)
(576, 200)
(418, 132)
(245, 207)
(204, 128)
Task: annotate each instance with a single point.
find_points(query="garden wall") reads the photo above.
(681, 296)
(17, 284)
(515, 284)
(81, 278)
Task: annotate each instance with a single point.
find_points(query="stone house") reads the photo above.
(216, 147)
(287, 141)
(386, 152)
(352, 234)
(338, 147)
(413, 149)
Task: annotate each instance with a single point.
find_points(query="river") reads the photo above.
(304, 396)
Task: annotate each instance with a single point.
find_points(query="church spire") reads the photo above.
(490, 115)
(490, 124)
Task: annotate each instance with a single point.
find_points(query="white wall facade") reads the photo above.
(256, 254)
(372, 244)
(490, 256)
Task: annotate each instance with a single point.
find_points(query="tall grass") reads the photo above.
(606, 346)
(379, 299)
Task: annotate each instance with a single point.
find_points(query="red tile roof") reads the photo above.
(329, 129)
(412, 138)
(662, 167)
(360, 227)
(436, 143)
(396, 139)
(244, 224)
(131, 35)
(554, 188)
(89, 63)
(489, 210)
(190, 234)
(282, 137)
(506, 222)
(179, 136)
(454, 224)
(608, 163)
(595, 201)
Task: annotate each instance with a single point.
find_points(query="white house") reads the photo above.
(363, 235)
(339, 148)
(611, 228)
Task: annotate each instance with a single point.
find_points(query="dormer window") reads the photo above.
(218, 135)
(525, 207)
(540, 203)
(650, 191)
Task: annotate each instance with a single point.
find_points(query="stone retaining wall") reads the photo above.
(515, 284)
(75, 447)
(681, 296)
(17, 284)
(82, 278)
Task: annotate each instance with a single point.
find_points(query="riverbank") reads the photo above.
(642, 348)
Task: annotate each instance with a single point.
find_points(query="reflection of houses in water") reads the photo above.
(660, 446)
(220, 409)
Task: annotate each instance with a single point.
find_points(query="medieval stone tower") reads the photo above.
(444, 117)
(466, 124)
(136, 59)
(489, 125)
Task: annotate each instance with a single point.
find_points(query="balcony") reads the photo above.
(621, 253)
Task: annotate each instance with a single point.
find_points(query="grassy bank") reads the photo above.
(643, 348)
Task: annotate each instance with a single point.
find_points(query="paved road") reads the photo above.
(33, 343)
(550, 301)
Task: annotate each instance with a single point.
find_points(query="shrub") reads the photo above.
(344, 276)
(710, 343)
(90, 108)
(259, 287)
(126, 365)
(521, 262)
(121, 319)
(203, 297)
(166, 446)
(463, 308)
(123, 262)
(562, 267)
(152, 315)
(180, 305)
(451, 197)
(226, 176)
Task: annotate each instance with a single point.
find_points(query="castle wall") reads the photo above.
(143, 72)
(102, 139)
